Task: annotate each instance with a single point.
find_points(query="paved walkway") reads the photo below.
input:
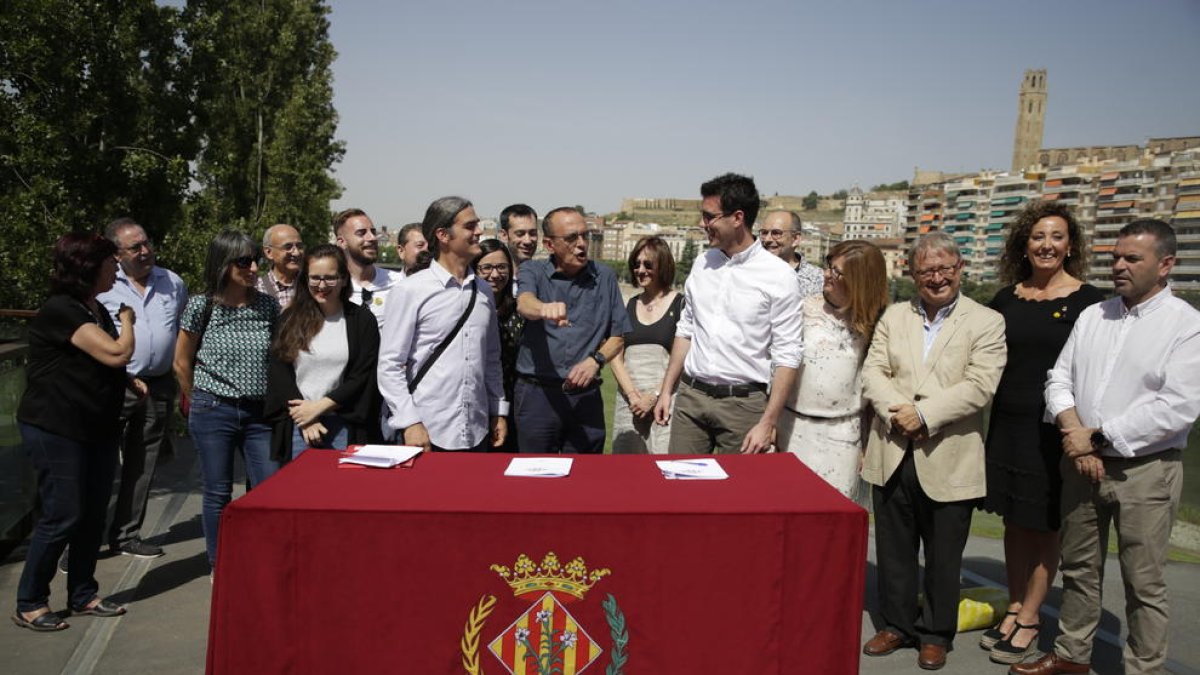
(166, 629)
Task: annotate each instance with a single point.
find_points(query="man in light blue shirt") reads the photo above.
(157, 297)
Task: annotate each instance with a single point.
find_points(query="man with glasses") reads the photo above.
(157, 297)
(932, 367)
(740, 330)
(370, 284)
(283, 248)
(575, 322)
(780, 233)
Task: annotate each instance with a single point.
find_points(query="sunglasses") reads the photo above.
(246, 261)
(645, 264)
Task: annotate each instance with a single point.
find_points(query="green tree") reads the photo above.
(94, 108)
(683, 266)
(840, 194)
(899, 186)
(264, 104)
(811, 201)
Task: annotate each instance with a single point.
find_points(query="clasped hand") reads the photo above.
(907, 421)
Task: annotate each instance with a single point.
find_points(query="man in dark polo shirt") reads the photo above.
(575, 322)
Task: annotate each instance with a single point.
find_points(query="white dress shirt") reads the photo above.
(465, 386)
(742, 314)
(376, 291)
(1132, 373)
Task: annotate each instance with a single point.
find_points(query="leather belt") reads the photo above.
(723, 390)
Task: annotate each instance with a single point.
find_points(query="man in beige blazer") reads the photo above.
(933, 366)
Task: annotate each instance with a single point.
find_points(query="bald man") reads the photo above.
(779, 234)
(283, 248)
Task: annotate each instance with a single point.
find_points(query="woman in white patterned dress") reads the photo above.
(822, 423)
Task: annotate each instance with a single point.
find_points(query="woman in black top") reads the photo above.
(68, 418)
(639, 369)
(1043, 258)
(495, 266)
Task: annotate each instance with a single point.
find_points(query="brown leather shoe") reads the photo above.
(1049, 665)
(932, 657)
(885, 642)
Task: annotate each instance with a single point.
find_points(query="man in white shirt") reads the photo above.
(739, 331)
(370, 284)
(284, 249)
(1124, 392)
(449, 398)
(779, 234)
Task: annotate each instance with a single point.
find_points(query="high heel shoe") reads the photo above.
(1005, 652)
(993, 635)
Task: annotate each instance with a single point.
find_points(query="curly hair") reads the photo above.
(1015, 266)
(77, 260)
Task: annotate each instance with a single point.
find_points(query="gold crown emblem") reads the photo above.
(574, 579)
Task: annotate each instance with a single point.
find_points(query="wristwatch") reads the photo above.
(1100, 441)
(599, 358)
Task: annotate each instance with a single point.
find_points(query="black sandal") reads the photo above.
(45, 623)
(1005, 652)
(993, 635)
(102, 608)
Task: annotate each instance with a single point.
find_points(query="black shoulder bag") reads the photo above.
(415, 380)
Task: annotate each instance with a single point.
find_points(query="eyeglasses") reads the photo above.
(290, 247)
(325, 279)
(835, 272)
(487, 268)
(944, 270)
(246, 261)
(138, 246)
(643, 264)
(570, 239)
(708, 218)
(774, 234)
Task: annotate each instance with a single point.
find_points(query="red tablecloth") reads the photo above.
(329, 570)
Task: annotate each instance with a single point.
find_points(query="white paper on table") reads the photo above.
(382, 456)
(541, 467)
(692, 469)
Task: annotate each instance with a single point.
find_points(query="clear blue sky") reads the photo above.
(574, 102)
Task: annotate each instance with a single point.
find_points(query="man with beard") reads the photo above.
(575, 322)
(933, 365)
(370, 283)
(281, 246)
(157, 297)
(453, 406)
(780, 233)
(740, 330)
(410, 242)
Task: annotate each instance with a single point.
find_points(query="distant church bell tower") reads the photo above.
(1031, 118)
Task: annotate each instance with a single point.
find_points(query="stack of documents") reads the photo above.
(380, 456)
(692, 469)
(540, 467)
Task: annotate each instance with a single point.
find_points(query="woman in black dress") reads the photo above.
(1043, 259)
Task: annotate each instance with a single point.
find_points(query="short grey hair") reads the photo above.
(934, 241)
(270, 231)
(114, 229)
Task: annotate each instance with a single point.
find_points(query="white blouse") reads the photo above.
(829, 381)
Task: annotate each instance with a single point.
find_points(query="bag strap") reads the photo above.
(412, 383)
(204, 319)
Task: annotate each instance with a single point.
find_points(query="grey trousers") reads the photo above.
(145, 437)
(1139, 497)
(702, 424)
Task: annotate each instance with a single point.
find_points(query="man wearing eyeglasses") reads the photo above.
(932, 367)
(157, 297)
(779, 234)
(575, 322)
(369, 284)
(283, 248)
(740, 330)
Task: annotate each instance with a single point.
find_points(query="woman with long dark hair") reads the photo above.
(1044, 262)
(221, 361)
(69, 421)
(321, 391)
(495, 265)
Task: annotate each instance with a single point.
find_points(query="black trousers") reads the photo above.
(905, 520)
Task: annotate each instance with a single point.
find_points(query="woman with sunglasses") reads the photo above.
(321, 388)
(822, 422)
(495, 266)
(221, 363)
(640, 369)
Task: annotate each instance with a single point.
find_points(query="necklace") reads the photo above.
(653, 305)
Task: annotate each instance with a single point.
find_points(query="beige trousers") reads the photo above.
(702, 424)
(1139, 497)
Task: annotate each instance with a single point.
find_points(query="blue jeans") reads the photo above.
(336, 436)
(219, 426)
(74, 482)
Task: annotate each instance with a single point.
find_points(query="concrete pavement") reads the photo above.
(166, 629)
